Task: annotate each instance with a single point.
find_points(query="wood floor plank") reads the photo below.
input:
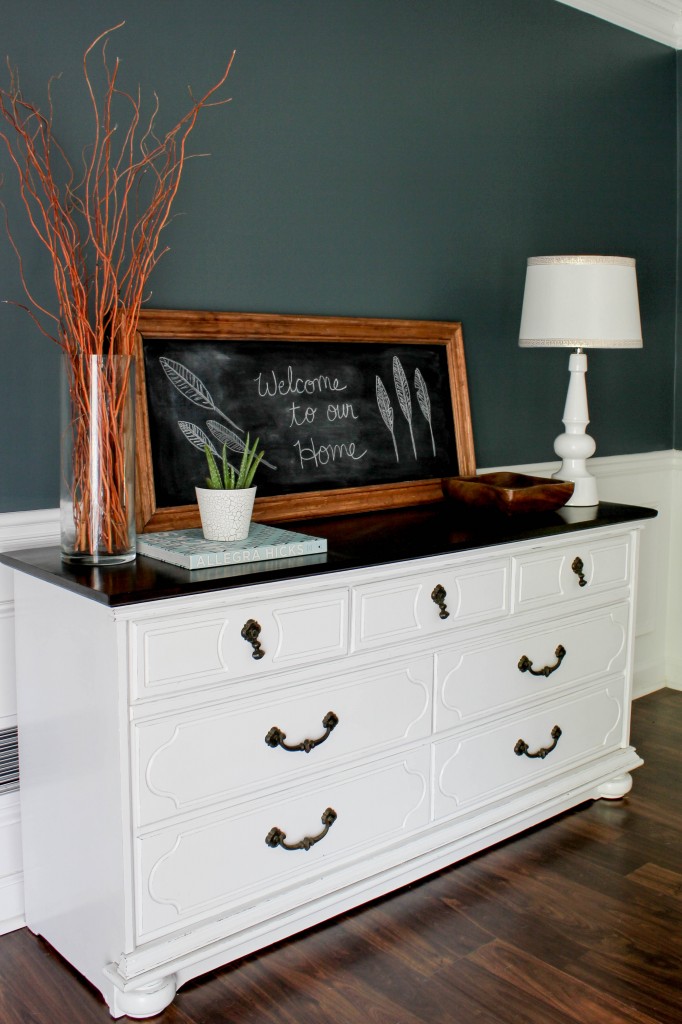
(660, 880)
(476, 901)
(427, 934)
(501, 996)
(370, 989)
(617, 924)
(638, 845)
(654, 986)
(564, 994)
(618, 904)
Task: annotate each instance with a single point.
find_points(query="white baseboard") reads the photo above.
(12, 904)
(674, 675)
(647, 679)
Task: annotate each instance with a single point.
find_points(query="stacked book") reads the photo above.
(190, 550)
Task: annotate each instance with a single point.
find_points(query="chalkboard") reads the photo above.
(352, 413)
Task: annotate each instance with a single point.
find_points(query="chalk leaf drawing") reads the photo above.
(424, 402)
(196, 436)
(189, 385)
(403, 392)
(231, 440)
(386, 410)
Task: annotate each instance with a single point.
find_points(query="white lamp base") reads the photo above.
(574, 446)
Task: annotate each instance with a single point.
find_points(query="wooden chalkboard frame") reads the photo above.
(190, 325)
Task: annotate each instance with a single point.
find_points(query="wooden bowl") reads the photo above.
(509, 492)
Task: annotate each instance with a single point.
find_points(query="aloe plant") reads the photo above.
(225, 477)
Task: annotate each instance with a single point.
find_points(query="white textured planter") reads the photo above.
(225, 515)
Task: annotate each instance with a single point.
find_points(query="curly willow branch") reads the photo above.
(101, 233)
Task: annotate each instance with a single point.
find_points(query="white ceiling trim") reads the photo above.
(657, 19)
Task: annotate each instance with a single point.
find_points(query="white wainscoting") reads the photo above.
(17, 530)
(11, 874)
(673, 646)
(653, 479)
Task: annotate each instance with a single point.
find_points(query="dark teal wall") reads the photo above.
(382, 158)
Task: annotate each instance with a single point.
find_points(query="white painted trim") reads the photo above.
(674, 596)
(660, 20)
(11, 875)
(29, 529)
(17, 530)
(605, 466)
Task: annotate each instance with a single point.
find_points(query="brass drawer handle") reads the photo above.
(577, 566)
(276, 738)
(276, 837)
(250, 632)
(526, 665)
(522, 747)
(438, 595)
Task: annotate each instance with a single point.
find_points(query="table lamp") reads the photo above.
(579, 302)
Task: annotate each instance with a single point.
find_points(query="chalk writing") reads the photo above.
(341, 412)
(271, 386)
(300, 420)
(320, 455)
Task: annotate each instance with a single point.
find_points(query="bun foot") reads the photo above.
(616, 788)
(146, 1001)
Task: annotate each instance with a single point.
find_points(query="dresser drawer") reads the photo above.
(571, 572)
(179, 652)
(426, 604)
(477, 680)
(216, 863)
(478, 767)
(189, 760)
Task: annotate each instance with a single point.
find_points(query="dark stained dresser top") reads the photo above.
(354, 541)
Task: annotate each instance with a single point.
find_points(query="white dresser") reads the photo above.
(211, 762)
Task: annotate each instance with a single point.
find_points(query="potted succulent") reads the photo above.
(226, 502)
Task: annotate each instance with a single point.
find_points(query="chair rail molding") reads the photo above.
(660, 20)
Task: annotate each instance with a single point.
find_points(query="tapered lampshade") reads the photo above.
(579, 302)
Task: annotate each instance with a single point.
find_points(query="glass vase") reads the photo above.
(97, 504)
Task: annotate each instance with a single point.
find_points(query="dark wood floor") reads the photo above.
(579, 920)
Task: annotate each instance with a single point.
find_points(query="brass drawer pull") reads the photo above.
(276, 738)
(250, 632)
(522, 748)
(438, 595)
(526, 665)
(276, 837)
(577, 566)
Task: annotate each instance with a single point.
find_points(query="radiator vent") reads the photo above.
(9, 760)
